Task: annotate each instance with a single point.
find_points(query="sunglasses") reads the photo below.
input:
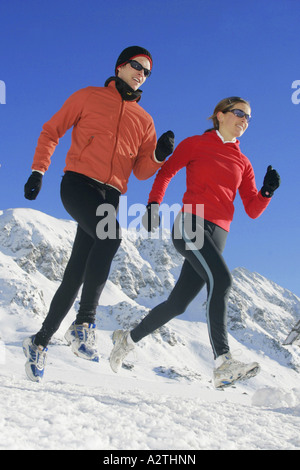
(240, 113)
(137, 66)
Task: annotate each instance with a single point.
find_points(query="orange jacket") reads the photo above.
(110, 137)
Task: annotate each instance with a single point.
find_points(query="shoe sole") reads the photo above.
(95, 359)
(115, 366)
(82, 356)
(251, 373)
(30, 375)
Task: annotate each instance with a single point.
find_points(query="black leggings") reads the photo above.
(203, 264)
(91, 256)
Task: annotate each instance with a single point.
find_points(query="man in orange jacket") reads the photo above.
(112, 136)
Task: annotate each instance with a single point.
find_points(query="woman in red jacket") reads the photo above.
(215, 170)
(112, 136)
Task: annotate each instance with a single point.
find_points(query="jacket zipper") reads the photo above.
(116, 141)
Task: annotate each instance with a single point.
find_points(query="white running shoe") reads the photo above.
(231, 370)
(120, 350)
(82, 339)
(36, 359)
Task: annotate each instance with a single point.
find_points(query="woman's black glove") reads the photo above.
(271, 182)
(33, 185)
(165, 146)
(151, 218)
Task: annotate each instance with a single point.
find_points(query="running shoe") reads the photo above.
(82, 339)
(120, 350)
(231, 370)
(36, 359)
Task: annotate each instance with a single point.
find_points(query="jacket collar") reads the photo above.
(126, 92)
(233, 141)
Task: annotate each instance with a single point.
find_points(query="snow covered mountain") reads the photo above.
(34, 249)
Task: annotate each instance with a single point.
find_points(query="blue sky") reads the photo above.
(203, 51)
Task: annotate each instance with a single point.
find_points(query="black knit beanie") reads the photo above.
(131, 52)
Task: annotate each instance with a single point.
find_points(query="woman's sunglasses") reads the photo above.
(240, 113)
(137, 66)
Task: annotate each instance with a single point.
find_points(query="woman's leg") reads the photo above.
(204, 265)
(185, 290)
(209, 264)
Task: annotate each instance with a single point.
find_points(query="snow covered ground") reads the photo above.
(163, 399)
(85, 405)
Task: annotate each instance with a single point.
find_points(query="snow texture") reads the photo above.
(163, 397)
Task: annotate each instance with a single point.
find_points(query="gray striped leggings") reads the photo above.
(203, 264)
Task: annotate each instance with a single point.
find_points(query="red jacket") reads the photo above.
(110, 137)
(214, 172)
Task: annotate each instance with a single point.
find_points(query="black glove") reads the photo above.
(151, 218)
(33, 185)
(271, 182)
(165, 146)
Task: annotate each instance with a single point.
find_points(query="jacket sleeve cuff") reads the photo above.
(156, 159)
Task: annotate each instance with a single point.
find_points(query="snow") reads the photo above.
(163, 398)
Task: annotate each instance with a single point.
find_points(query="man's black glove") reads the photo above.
(271, 182)
(151, 218)
(33, 185)
(165, 146)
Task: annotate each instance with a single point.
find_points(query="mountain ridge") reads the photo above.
(35, 247)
